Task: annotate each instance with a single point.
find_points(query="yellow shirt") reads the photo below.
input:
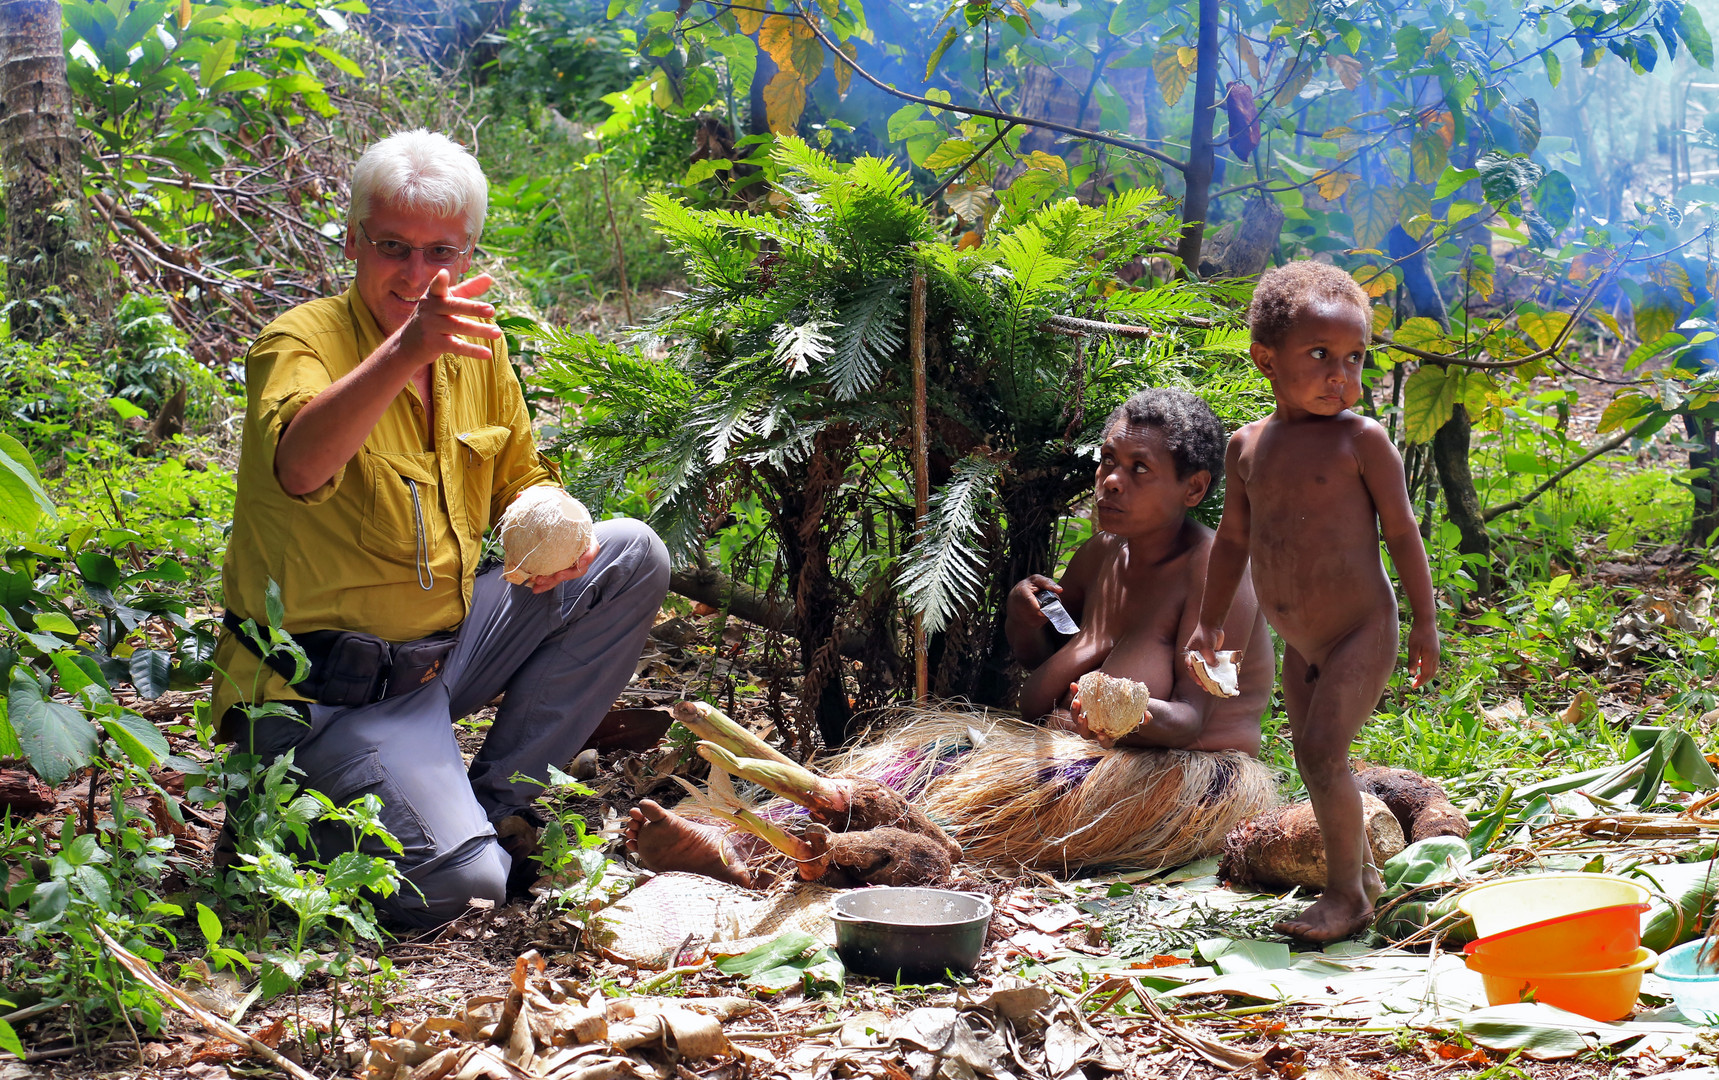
(348, 556)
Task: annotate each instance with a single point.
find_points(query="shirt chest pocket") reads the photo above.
(400, 506)
(480, 450)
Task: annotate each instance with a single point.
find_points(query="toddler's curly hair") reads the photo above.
(1284, 291)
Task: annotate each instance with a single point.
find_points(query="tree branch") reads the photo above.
(969, 110)
(1516, 504)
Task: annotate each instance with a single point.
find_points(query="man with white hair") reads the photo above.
(385, 433)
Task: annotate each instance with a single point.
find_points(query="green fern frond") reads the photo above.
(943, 574)
(800, 347)
(867, 337)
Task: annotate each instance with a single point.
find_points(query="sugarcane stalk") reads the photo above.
(710, 724)
(793, 782)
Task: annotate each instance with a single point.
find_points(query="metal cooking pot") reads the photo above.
(914, 935)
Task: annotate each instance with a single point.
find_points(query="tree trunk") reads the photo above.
(805, 522)
(1462, 504)
(52, 259)
(1197, 198)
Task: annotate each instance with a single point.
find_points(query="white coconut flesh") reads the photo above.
(1219, 680)
(1113, 707)
(544, 531)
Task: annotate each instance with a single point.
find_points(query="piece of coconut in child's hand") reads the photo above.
(543, 532)
(1218, 680)
(1113, 707)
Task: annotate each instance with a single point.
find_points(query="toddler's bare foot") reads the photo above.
(664, 841)
(1336, 916)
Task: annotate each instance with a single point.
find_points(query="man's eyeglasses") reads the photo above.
(399, 250)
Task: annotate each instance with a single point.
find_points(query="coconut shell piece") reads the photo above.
(1421, 806)
(1219, 680)
(544, 531)
(1284, 847)
(1113, 707)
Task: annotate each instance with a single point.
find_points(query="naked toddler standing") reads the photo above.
(1312, 489)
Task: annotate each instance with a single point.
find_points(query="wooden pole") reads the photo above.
(921, 472)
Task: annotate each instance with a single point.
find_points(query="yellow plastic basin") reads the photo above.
(1597, 995)
(1535, 898)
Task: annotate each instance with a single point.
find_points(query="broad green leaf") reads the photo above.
(1543, 328)
(209, 923)
(56, 739)
(1555, 198)
(773, 953)
(342, 63)
(1693, 31)
(140, 740)
(1373, 209)
(742, 56)
(951, 153)
(1414, 209)
(1419, 332)
(1237, 955)
(99, 569)
(217, 61)
(704, 170)
(22, 498)
(949, 38)
(1429, 399)
(1453, 179)
(1506, 177)
(1643, 353)
(9, 1041)
(1554, 67)
(150, 672)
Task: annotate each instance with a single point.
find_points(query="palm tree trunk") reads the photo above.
(52, 260)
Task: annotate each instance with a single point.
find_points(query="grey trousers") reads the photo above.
(562, 657)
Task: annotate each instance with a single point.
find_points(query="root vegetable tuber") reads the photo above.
(1284, 847)
(1421, 806)
(879, 857)
(544, 531)
(843, 803)
(1219, 680)
(1113, 707)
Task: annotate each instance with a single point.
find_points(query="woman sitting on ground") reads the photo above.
(1049, 795)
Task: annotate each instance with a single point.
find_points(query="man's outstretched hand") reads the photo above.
(447, 315)
(545, 582)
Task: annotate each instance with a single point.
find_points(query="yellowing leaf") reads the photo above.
(949, 153)
(1623, 408)
(1543, 328)
(1332, 185)
(1438, 42)
(1373, 210)
(1172, 76)
(1428, 155)
(845, 72)
(1585, 266)
(1429, 399)
(1653, 323)
(1246, 50)
(1381, 319)
(784, 101)
(1187, 57)
(1672, 275)
(1419, 332)
(1609, 323)
(790, 43)
(1414, 209)
(1293, 82)
(1479, 280)
(1374, 281)
(1294, 11)
(1050, 163)
(184, 13)
(750, 18)
(1348, 70)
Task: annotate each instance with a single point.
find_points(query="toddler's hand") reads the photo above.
(1206, 642)
(1423, 652)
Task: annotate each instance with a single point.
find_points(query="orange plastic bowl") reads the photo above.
(1597, 995)
(1584, 941)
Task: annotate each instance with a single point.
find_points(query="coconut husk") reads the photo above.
(1016, 795)
(1421, 806)
(1284, 847)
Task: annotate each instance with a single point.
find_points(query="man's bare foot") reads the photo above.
(664, 841)
(1335, 916)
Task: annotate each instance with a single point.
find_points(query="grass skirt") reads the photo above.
(1017, 795)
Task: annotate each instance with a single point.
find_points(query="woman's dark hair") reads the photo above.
(1191, 431)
